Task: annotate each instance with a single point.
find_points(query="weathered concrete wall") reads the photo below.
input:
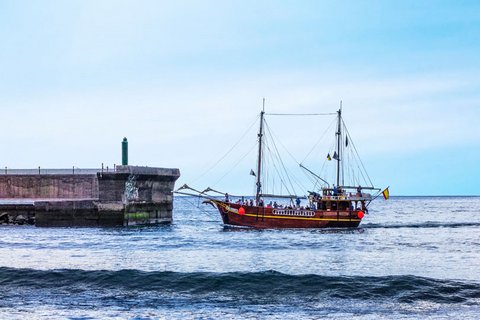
(45, 186)
(145, 192)
(83, 213)
(131, 195)
(143, 184)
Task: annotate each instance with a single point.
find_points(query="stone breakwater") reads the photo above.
(131, 195)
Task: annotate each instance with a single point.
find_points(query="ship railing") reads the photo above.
(335, 198)
(364, 196)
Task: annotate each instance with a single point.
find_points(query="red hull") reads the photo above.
(265, 218)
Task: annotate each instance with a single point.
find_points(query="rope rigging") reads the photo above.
(228, 152)
(357, 156)
(274, 153)
(236, 164)
(275, 170)
(328, 129)
(300, 114)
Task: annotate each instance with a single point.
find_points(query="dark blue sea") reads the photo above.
(411, 258)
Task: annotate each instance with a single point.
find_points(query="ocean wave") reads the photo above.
(422, 225)
(270, 285)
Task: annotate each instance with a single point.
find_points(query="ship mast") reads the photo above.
(339, 139)
(259, 168)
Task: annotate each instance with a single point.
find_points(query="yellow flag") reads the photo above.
(386, 193)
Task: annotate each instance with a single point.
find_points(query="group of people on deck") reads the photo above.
(271, 204)
(335, 191)
(338, 191)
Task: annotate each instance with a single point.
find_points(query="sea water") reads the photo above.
(412, 257)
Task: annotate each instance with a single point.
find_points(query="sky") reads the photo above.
(183, 80)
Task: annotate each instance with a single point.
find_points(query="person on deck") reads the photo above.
(226, 198)
(297, 201)
(335, 190)
(359, 191)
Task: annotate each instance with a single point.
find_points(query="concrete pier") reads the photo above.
(130, 195)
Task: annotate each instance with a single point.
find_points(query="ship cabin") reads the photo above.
(338, 199)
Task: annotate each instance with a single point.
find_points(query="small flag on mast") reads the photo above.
(386, 193)
(252, 173)
(328, 157)
(335, 155)
(346, 141)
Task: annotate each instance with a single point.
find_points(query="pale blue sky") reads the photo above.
(182, 79)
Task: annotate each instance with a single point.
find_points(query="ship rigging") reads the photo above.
(338, 204)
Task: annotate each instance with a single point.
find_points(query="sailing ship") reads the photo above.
(331, 206)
